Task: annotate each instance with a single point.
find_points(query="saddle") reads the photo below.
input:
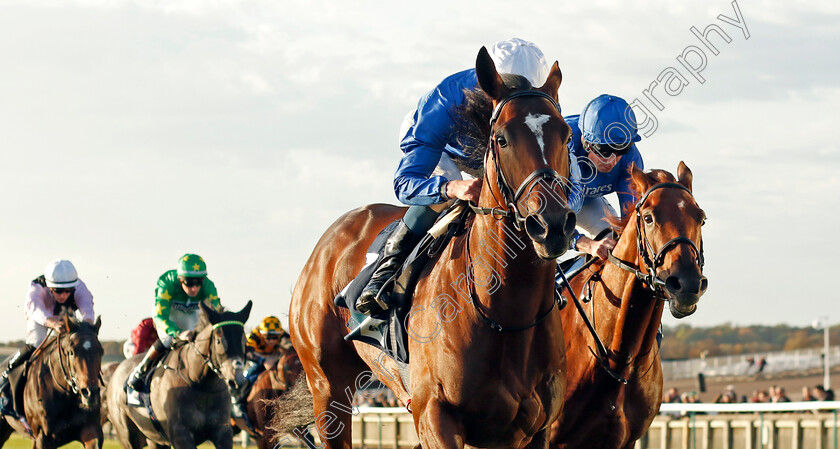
(13, 393)
(386, 331)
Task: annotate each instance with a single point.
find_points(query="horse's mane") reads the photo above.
(472, 121)
(658, 176)
(203, 319)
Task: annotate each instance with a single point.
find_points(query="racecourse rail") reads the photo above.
(791, 425)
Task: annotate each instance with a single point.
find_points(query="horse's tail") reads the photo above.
(293, 409)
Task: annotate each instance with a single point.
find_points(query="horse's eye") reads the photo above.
(648, 218)
(501, 141)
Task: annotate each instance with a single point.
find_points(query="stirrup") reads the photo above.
(372, 306)
(135, 382)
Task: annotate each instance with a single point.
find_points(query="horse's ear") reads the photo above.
(552, 83)
(212, 315)
(98, 324)
(488, 78)
(684, 174)
(243, 314)
(639, 177)
(66, 321)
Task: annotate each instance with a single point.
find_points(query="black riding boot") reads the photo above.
(21, 356)
(397, 248)
(135, 379)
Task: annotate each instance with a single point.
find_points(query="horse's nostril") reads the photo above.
(673, 284)
(535, 228)
(704, 284)
(571, 222)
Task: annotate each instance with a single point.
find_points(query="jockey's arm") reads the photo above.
(84, 301)
(162, 308)
(433, 129)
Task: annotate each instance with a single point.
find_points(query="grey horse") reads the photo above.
(189, 388)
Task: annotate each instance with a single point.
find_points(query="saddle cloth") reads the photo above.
(386, 331)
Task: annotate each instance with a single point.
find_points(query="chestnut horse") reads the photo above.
(488, 368)
(61, 394)
(270, 384)
(612, 398)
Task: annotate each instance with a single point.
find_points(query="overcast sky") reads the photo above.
(132, 132)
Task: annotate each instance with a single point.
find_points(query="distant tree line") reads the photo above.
(113, 349)
(687, 342)
(683, 341)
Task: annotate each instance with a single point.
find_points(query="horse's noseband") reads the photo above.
(511, 197)
(208, 359)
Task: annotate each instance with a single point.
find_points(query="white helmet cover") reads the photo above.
(520, 57)
(61, 274)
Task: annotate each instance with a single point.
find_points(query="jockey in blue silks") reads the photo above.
(603, 141)
(428, 176)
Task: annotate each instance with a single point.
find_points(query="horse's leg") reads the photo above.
(306, 437)
(183, 439)
(5, 431)
(332, 424)
(43, 441)
(438, 428)
(223, 439)
(91, 437)
(540, 440)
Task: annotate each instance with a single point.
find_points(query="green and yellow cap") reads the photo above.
(192, 266)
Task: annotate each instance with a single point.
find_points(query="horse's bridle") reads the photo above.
(69, 377)
(645, 249)
(511, 197)
(208, 359)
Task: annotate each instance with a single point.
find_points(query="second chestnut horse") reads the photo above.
(612, 398)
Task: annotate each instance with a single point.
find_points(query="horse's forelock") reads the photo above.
(472, 121)
(204, 318)
(655, 175)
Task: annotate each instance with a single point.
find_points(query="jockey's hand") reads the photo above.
(598, 248)
(56, 323)
(269, 364)
(467, 189)
(187, 335)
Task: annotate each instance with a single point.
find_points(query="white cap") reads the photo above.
(520, 57)
(61, 274)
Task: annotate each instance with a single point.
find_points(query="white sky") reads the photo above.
(132, 132)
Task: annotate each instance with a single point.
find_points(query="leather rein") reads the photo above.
(655, 284)
(69, 374)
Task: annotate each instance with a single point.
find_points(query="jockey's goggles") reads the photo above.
(271, 336)
(193, 282)
(61, 291)
(607, 150)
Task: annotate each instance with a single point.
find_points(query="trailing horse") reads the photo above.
(487, 362)
(61, 391)
(614, 389)
(189, 393)
(270, 384)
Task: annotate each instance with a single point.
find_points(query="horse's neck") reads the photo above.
(193, 356)
(628, 307)
(53, 362)
(503, 266)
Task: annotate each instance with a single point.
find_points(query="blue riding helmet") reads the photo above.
(609, 120)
